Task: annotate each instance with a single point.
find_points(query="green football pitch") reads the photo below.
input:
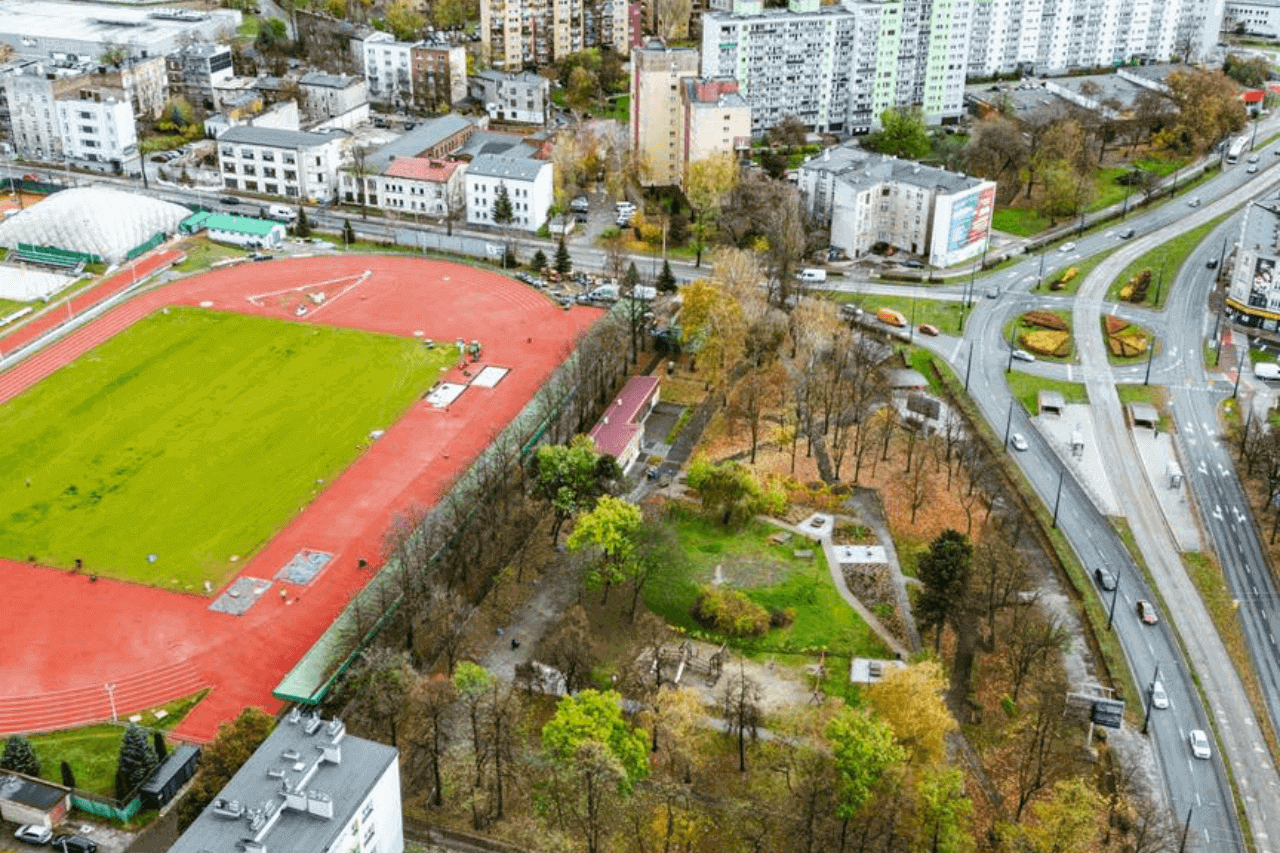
(194, 436)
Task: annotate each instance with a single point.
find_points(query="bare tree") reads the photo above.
(740, 705)
(1032, 639)
(432, 701)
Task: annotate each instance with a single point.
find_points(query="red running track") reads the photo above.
(136, 271)
(68, 636)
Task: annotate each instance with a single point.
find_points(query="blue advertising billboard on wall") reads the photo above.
(971, 219)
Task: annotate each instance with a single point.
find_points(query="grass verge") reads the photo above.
(1026, 388)
(1164, 262)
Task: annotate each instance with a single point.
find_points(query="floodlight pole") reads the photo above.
(111, 695)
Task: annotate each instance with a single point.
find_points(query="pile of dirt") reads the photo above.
(872, 584)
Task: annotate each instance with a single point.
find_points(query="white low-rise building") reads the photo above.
(98, 128)
(326, 97)
(523, 98)
(420, 186)
(388, 69)
(292, 164)
(309, 787)
(868, 198)
(528, 183)
(1252, 17)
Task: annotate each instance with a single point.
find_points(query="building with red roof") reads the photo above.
(422, 186)
(621, 428)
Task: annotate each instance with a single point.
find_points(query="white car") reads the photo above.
(1066, 247)
(1200, 744)
(34, 834)
(1023, 355)
(1018, 442)
(1159, 699)
(1253, 167)
(1195, 202)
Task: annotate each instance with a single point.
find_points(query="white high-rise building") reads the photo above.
(1050, 36)
(837, 68)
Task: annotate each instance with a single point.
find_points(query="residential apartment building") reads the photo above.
(145, 83)
(657, 114)
(292, 164)
(868, 198)
(330, 96)
(528, 183)
(388, 70)
(420, 187)
(1252, 17)
(717, 119)
(32, 124)
(97, 128)
(531, 34)
(837, 68)
(198, 71)
(1052, 36)
(523, 98)
(309, 787)
(439, 75)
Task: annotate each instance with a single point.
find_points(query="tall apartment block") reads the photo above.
(1051, 36)
(529, 34)
(677, 117)
(837, 68)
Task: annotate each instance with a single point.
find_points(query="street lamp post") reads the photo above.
(1151, 354)
(1146, 720)
(1008, 425)
(111, 696)
(1057, 501)
(1115, 593)
(968, 367)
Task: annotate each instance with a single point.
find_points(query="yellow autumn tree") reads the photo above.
(910, 701)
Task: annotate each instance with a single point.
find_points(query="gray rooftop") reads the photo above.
(1261, 229)
(275, 138)
(295, 794)
(857, 166)
(491, 142)
(515, 168)
(412, 143)
(326, 81)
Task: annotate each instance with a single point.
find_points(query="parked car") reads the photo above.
(913, 264)
(1200, 744)
(581, 204)
(74, 844)
(1105, 579)
(1019, 443)
(1147, 612)
(229, 199)
(34, 834)
(1159, 699)
(1023, 355)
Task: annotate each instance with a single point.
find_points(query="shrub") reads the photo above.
(1046, 342)
(1045, 320)
(1068, 274)
(1115, 324)
(781, 618)
(729, 612)
(1140, 283)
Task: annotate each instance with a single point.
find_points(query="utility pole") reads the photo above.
(1150, 693)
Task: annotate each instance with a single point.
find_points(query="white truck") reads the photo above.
(812, 276)
(279, 212)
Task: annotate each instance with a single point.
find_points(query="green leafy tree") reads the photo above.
(564, 263)
(220, 760)
(728, 488)
(447, 14)
(610, 529)
(863, 748)
(404, 20)
(631, 279)
(177, 113)
(944, 574)
(19, 756)
(136, 760)
(902, 134)
(571, 477)
(666, 279)
(944, 809)
(503, 213)
(706, 185)
(596, 716)
(1066, 822)
(1252, 73)
(271, 34)
(582, 88)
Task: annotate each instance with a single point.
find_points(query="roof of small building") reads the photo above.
(907, 378)
(327, 81)
(422, 168)
(618, 425)
(240, 224)
(29, 792)
(501, 166)
(414, 142)
(274, 138)
(493, 142)
(304, 759)
(857, 166)
(1051, 400)
(173, 764)
(1143, 413)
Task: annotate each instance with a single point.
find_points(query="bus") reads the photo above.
(1236, 151)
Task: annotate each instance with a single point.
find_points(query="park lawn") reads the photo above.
(771, 575)
(1153, 395)
(202, 253)
(1159, 165)
(1027, 387)
(1019, 221)
(1168, 257)
(194, 436)
(93, 751)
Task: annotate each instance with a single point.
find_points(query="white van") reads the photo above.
(280, 213)
(812, 276)
(1266, 370)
